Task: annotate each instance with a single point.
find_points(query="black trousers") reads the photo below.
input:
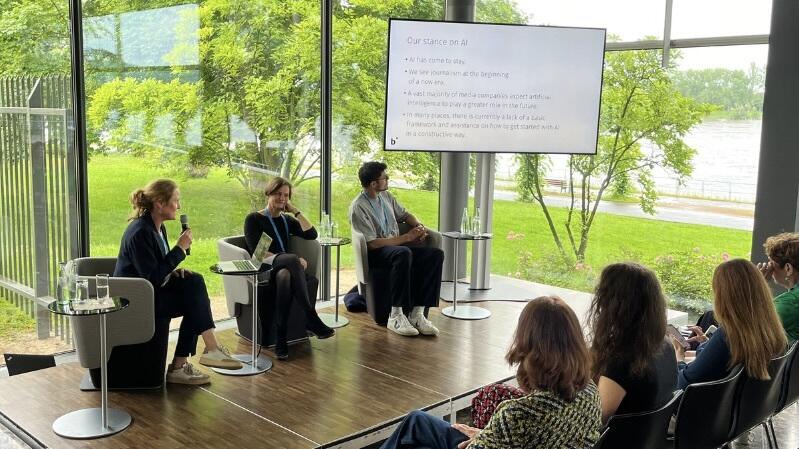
(414, 273)
(289, 284)
(186, 297)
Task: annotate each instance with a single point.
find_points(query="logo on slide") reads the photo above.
(393, 141)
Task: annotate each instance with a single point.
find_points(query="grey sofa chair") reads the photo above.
(136, 343)
(370, 282)
(239, 293)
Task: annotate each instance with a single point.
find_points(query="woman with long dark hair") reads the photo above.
(289, 283)
(561, 404)
(632, 360)
(145, 253)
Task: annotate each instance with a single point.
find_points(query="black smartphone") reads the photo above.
(674, 332)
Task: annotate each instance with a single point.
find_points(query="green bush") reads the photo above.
(686, 278)
(550, 269)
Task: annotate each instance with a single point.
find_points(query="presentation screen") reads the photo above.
(476, 87)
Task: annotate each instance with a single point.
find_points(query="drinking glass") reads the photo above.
(81, 291)
(102, 288)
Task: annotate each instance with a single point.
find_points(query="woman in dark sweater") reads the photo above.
(633, 362)
(289, 283)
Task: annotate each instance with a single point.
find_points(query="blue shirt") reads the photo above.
(711, 363)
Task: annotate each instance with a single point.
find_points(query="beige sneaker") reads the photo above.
(187, 375)
(219, 358)
(423, 325)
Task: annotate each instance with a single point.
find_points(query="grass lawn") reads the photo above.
(218, 204)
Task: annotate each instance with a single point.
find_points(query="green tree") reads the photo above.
(738, 93)
(639, 103)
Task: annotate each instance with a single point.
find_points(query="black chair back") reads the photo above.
(645, 430)
(706, 416)
(758, 399)
(24, 363)
(790, 385)
(599, 443)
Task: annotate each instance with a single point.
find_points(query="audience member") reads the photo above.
(633, 361)
(561, 407)
(782, 266)
(750, 333)
(414, 269)
(145, 253)
(288, 281)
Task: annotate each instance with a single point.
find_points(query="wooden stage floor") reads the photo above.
(345, 391)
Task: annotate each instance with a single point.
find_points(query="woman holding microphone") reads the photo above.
(145, 253)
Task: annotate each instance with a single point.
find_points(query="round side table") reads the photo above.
(463, 312)
(330, 319)
(93, 422)
(262, 363)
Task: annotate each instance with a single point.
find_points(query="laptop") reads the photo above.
(254, 263)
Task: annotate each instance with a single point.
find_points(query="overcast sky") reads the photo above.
(634, 19)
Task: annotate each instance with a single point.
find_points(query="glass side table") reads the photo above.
(463, 312)
(330, 319)
(93, 422)
(262, 363)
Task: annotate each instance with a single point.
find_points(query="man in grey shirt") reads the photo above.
(414, 269)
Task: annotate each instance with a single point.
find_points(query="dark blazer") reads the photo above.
(712, 358)
(141, 254)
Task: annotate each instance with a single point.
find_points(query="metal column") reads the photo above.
(484, 199)
(454, 190)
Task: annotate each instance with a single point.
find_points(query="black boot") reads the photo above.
(317, 327)
(281, 345)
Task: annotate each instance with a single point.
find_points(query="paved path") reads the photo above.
(680, 210)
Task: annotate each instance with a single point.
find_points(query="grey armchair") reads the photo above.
(239, 294)
(371, 282)
(136, 343)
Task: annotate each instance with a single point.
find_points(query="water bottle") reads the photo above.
(66, 282)
(476, 222)
(324, 226)
(465, 223)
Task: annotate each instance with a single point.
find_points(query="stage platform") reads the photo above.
(347, 391)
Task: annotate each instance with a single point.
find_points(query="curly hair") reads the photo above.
(783, 248)
(627, 318)
(550, 349)
(144, 199)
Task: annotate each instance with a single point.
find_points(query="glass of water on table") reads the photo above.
(102, 289)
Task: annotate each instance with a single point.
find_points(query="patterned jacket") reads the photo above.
(542, 420)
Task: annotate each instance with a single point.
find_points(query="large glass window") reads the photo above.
(38, 219)
(217, 95)
(710, 18)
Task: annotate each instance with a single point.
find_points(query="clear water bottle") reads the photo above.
(65, 290)
(476, 230)
(465, 222)
(324, 226)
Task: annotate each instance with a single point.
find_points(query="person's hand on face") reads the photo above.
(767, 269)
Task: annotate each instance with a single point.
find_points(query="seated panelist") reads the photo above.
(145, 253)
(289, 283)
(414, 269)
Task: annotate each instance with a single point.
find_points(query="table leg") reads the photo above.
(464, 312)
(335, 321)
(95, 422)
(251, 363)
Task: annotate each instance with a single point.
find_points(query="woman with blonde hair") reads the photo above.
(750, 333)
(783, 268)
(560, 407)
(145, 253)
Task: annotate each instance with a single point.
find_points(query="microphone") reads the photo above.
(184, 224)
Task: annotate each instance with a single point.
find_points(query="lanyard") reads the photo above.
(161, 238)
(383, 223)
(277, 234)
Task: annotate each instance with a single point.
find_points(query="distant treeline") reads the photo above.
(738, 94)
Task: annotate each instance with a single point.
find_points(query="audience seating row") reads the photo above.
(712, 414)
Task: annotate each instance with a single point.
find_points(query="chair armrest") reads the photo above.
(360, 252)
(132, 325)
(308, 250)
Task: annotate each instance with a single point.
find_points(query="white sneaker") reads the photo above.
(424, 325)
(400, 324)
(220, 358)
(188, 375)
